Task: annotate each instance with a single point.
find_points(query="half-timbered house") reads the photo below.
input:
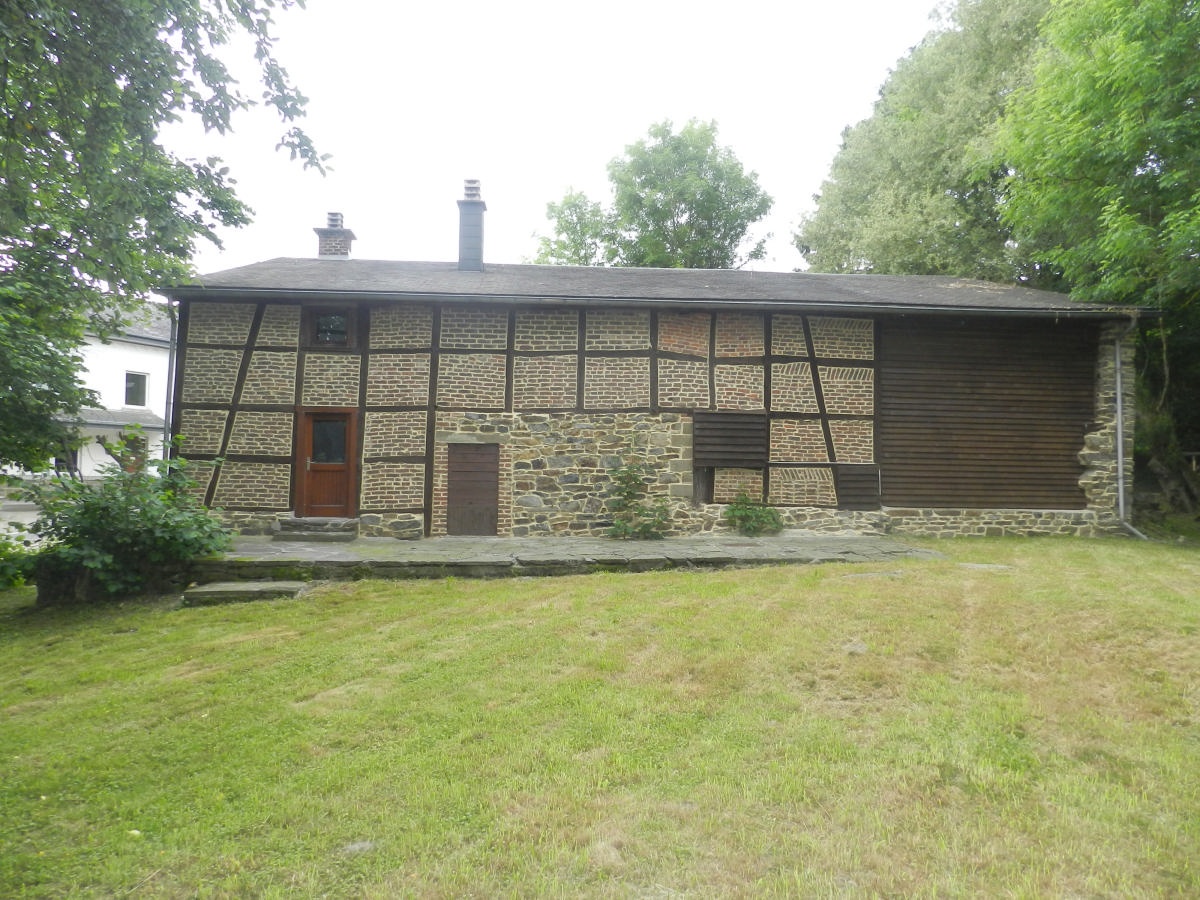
(425, 398)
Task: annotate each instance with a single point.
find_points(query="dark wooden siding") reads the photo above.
(983, 413)
(730, 439)
(857, 486)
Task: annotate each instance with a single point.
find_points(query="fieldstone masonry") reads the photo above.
(569, 394)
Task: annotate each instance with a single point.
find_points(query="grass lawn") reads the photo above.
(1021, 718)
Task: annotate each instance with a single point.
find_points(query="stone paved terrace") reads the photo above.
(260, 558)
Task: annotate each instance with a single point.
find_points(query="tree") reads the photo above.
(679, 201)
(583, 233)
(1103, 151)
(94, 211)
(912, 190)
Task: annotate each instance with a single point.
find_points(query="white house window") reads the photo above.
(135, 389)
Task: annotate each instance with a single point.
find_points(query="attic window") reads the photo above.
(330, 328)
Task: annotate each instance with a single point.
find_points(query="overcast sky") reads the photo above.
(534, 97)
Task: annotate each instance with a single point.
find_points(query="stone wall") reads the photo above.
(1098, 455)
(555, 467)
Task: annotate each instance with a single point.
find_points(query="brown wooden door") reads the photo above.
(325, 467)
(473, 489)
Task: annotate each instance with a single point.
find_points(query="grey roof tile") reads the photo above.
(384, 279)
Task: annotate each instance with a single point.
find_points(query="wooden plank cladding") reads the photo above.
(733, 440)
(857, 486)
(983, 412)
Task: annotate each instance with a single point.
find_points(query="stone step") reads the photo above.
(313, 528)
(241, 592)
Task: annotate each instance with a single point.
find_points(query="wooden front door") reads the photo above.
(325, 475)
(473, 489)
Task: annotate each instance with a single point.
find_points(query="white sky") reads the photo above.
(534, 97)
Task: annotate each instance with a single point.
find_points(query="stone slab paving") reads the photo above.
(260, 558)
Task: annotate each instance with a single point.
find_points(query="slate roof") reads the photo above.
(151, 324)
(120, 418)
(288, 278)
(154, 324)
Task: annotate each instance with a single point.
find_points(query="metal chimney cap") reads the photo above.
(334, 220)
(471, 189)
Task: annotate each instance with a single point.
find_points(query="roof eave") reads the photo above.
(1081, 310)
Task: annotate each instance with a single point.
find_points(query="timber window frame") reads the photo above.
(329, 328)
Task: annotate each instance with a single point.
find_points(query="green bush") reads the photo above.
(752, 518)
(634, 515)
(15, 561)
(134, 532)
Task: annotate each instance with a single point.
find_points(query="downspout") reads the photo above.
(1122, 490)
(169, 407)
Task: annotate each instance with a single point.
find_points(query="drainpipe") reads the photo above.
(169, 407)
(1122, 503)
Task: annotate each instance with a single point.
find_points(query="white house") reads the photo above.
(130, 375)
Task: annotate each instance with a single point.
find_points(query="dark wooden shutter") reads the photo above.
(857, 486)
(730, 439)
(983, 413)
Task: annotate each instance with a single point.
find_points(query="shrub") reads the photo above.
(134, 532)
(752, 518)
(634, 516)
(15, 561)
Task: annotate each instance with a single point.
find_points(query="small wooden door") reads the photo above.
(473, 489)
(325, 467)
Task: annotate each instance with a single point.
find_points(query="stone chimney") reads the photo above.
(333, 241)
(470, 228)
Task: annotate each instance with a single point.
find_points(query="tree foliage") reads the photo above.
(1053, 142)
(680, 200)
(94, 210)
(911, 192)
(1103, 151)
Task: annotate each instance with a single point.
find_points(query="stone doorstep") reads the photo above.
(343, 537)
(241, 591)
(312, 528)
